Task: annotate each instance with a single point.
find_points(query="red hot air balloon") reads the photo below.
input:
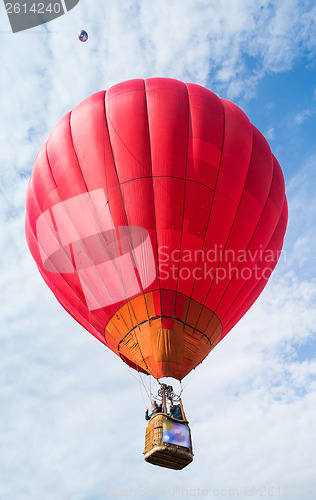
(156, 213)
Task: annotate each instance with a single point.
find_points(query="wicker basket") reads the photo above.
(167, 454)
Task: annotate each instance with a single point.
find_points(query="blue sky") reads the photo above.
(71, 414)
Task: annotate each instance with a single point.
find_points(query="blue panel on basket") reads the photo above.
(175, 433)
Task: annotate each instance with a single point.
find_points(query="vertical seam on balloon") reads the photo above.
(103, 142)
(249, 242)
(105, 129)
(230, 231)
(255, 230)
(266, 247)
(154, 206)
(130, 152)
(137, 343)
(119, 185)
(183, 211)
(103, 235)
(96, 214)
(115, 239)
(153, 188)
(61, 275)
(184, 192)
(53, 177)
(106, 185)
(210, 212)
(104, 126)
(253, 289)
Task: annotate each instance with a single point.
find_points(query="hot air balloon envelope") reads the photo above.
(156, 214)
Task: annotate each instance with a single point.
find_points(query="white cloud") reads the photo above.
(306, 113)
(302, 212)
(269, 134)
(302, 116)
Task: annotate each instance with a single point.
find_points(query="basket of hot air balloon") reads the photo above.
(168, 440)
(156, 213)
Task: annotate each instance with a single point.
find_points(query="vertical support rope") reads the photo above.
(182, 410)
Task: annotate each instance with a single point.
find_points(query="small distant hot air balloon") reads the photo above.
(83, 36)
(156, 214)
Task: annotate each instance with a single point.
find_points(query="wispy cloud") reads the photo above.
(269, 134)
(306, 113)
